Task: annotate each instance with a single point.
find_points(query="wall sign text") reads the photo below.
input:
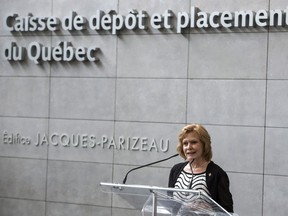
(114, 23)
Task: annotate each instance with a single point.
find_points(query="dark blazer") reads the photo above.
(217, 182)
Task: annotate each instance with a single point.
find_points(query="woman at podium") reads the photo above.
(198, 172)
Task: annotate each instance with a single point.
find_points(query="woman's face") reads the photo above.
(192, 147)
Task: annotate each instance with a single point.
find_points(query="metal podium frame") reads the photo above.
(153, 199)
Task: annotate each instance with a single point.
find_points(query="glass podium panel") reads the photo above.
(196, 203)
(135, 195)
(165, 206)
(160, 201)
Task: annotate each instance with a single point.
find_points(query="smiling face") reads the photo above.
(192, 147)
(201, 149)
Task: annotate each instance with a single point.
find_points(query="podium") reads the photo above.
(161, 201)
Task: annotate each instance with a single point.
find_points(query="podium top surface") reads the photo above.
(141, 189)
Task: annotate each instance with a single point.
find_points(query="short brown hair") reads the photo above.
(203, 135)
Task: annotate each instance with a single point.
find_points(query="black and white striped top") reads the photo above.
(198, 183)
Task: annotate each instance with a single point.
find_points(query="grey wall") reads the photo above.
(147, 84)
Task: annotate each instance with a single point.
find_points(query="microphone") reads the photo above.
(145, 165)
(190, 164)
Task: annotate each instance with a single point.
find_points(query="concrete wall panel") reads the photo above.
(24, 178)
(85, 8)
(26, 67)
(78, 140)
(24, 96)
(151, 142)
(19, 137)
(63, 209)
(83, 98)
(215, 56)
(152, 7)
(275, 151)
(156, 100)
(37, 8)
(78, 182)
(275, 195)
(22, 207)
(152, 56)
(277, 98)
(277, 59)
(241, 144)
(105, 66)
(246, 190)
(231, 102)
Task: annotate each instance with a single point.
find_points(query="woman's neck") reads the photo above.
(198, 166)
(197, 163)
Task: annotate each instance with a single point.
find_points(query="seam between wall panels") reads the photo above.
(265, 124)
(48, 125)
(265, 117)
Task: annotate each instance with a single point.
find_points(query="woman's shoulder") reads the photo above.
(213, 167)
(179, 165)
